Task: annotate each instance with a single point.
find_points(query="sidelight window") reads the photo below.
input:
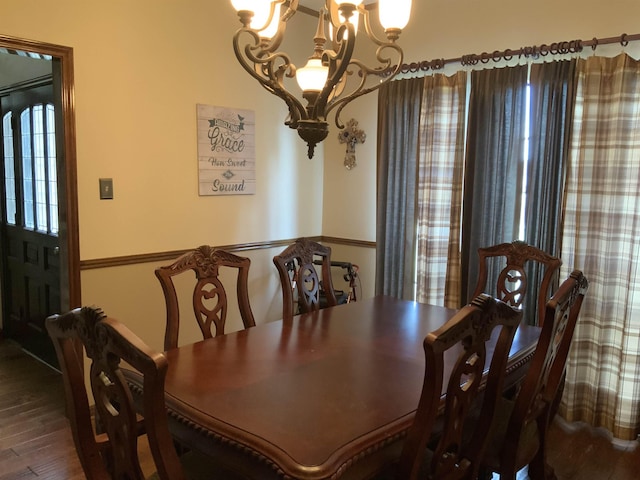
(9, 171)
(38, 197)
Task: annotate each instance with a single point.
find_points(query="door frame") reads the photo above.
(68, 202)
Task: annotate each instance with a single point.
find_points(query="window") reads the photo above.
(52, 172)
(39, 195)
(9, 171)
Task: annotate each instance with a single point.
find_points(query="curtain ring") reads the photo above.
(594, 44)
(470, 59)
(623, 40)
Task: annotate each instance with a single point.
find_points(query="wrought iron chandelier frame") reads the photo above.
(259, 56)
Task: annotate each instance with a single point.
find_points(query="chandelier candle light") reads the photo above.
(323, 79)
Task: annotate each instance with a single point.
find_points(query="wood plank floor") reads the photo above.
(36, 442)
(35, 439)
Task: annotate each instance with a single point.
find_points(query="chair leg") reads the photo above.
(556, 401)
(539, 469)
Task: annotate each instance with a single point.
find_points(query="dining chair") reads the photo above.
(458, 449)
(107, 442)
(302, 289)
(518, 436)
(112, 454)
(511, 281)
(210, 300)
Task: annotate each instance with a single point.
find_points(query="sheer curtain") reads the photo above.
(495, 151)
(601, 236)
(399, 104)
(440, 169)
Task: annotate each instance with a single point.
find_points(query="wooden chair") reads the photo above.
(518, 437)
(454, 455)
(210, 303)
(511, 283)
(114, 453)
(299, 279)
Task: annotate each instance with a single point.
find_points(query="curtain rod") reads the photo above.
(559, 48)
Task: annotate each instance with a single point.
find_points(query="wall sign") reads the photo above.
(226, 151)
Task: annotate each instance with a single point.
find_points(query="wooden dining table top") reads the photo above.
(317, 397)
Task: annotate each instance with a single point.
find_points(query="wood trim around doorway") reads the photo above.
(70, 277)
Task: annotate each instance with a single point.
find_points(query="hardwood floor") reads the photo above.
(35, 439)
(582, 453)
(36, 442)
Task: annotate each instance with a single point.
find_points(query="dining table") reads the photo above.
(327, 395)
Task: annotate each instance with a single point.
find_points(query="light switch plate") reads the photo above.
(106, 189)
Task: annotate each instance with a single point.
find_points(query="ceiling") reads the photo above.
(16, 68)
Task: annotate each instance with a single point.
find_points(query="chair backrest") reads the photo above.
(210, 302)
(511, 282)
(299, 279)
(465, 335)
(542, 381)
(112, 454)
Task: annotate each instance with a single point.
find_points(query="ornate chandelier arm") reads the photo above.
(282, 24)
(338, 63)
(323, 80)
(384, 68)
(267, 70)
(297, 111)
(384, 73)
(291, 10)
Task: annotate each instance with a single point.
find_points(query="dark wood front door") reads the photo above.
(29, 238)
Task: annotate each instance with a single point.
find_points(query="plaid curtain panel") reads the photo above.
(601, 236)
(599, 232)
(439, 192)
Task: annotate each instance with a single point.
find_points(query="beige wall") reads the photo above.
(140, 69)
(142, 66)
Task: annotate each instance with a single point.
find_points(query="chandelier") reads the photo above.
(324, 81)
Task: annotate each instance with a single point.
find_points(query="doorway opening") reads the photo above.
(39, 243)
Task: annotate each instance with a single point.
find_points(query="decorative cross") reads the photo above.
(351, 136)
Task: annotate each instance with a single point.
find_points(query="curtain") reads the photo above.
(440, 168)
(601, 236)
(399, 105)
(495, 150)
(552, 99)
